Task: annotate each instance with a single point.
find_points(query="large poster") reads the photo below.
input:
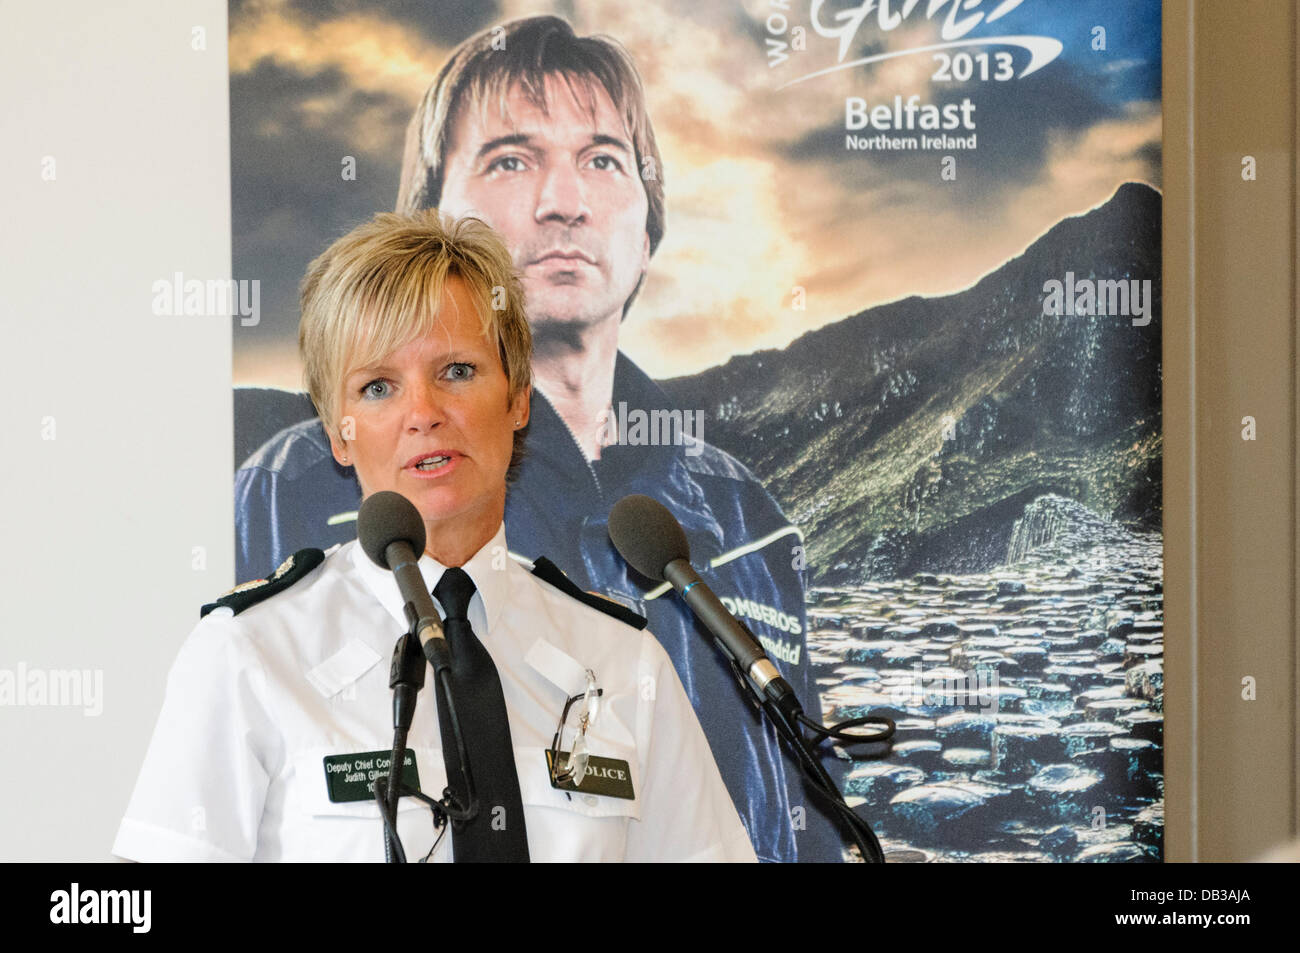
(867, 293)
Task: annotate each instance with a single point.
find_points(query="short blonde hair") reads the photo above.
(379, 287)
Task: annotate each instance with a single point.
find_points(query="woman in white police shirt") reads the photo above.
(278, 707)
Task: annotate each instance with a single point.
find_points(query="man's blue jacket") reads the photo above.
(291, 494)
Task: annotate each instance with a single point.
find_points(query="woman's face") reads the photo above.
(433, 421)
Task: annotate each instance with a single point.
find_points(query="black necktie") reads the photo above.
(497, 832)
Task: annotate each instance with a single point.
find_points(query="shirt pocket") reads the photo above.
(316, 828)
(566, 826)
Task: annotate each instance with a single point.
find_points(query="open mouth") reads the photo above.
(433, 463)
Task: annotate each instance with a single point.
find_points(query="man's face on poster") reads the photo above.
(563, 189)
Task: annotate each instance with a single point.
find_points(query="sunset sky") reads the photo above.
(762, 195)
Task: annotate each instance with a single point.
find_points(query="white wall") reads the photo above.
(99, 525)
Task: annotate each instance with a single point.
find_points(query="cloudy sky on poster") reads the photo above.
(762, 194)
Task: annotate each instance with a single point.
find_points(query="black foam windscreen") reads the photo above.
(384, 518)
(647, 535)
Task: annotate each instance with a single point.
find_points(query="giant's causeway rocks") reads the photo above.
(1029, 699)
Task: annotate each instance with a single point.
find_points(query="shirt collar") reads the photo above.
(488, 568)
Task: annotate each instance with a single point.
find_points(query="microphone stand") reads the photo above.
(406, 679)
(789, 720)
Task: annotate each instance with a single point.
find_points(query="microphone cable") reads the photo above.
(819, 778)
(789, 720)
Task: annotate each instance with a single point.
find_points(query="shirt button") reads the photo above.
(589, 800)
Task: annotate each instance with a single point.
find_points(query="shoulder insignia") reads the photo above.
(547, 571)
(251, 593)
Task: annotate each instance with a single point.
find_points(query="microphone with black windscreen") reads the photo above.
(391, 532)
(648, 536)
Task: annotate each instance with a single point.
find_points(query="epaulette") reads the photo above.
(547, 571)
(251, 593)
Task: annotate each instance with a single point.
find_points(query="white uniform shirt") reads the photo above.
(255, 702)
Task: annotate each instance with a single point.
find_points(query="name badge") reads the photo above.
(606, 776)
(348, 777)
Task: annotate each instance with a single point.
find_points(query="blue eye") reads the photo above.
(375, 390)
(460, 371)
(500, 164)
